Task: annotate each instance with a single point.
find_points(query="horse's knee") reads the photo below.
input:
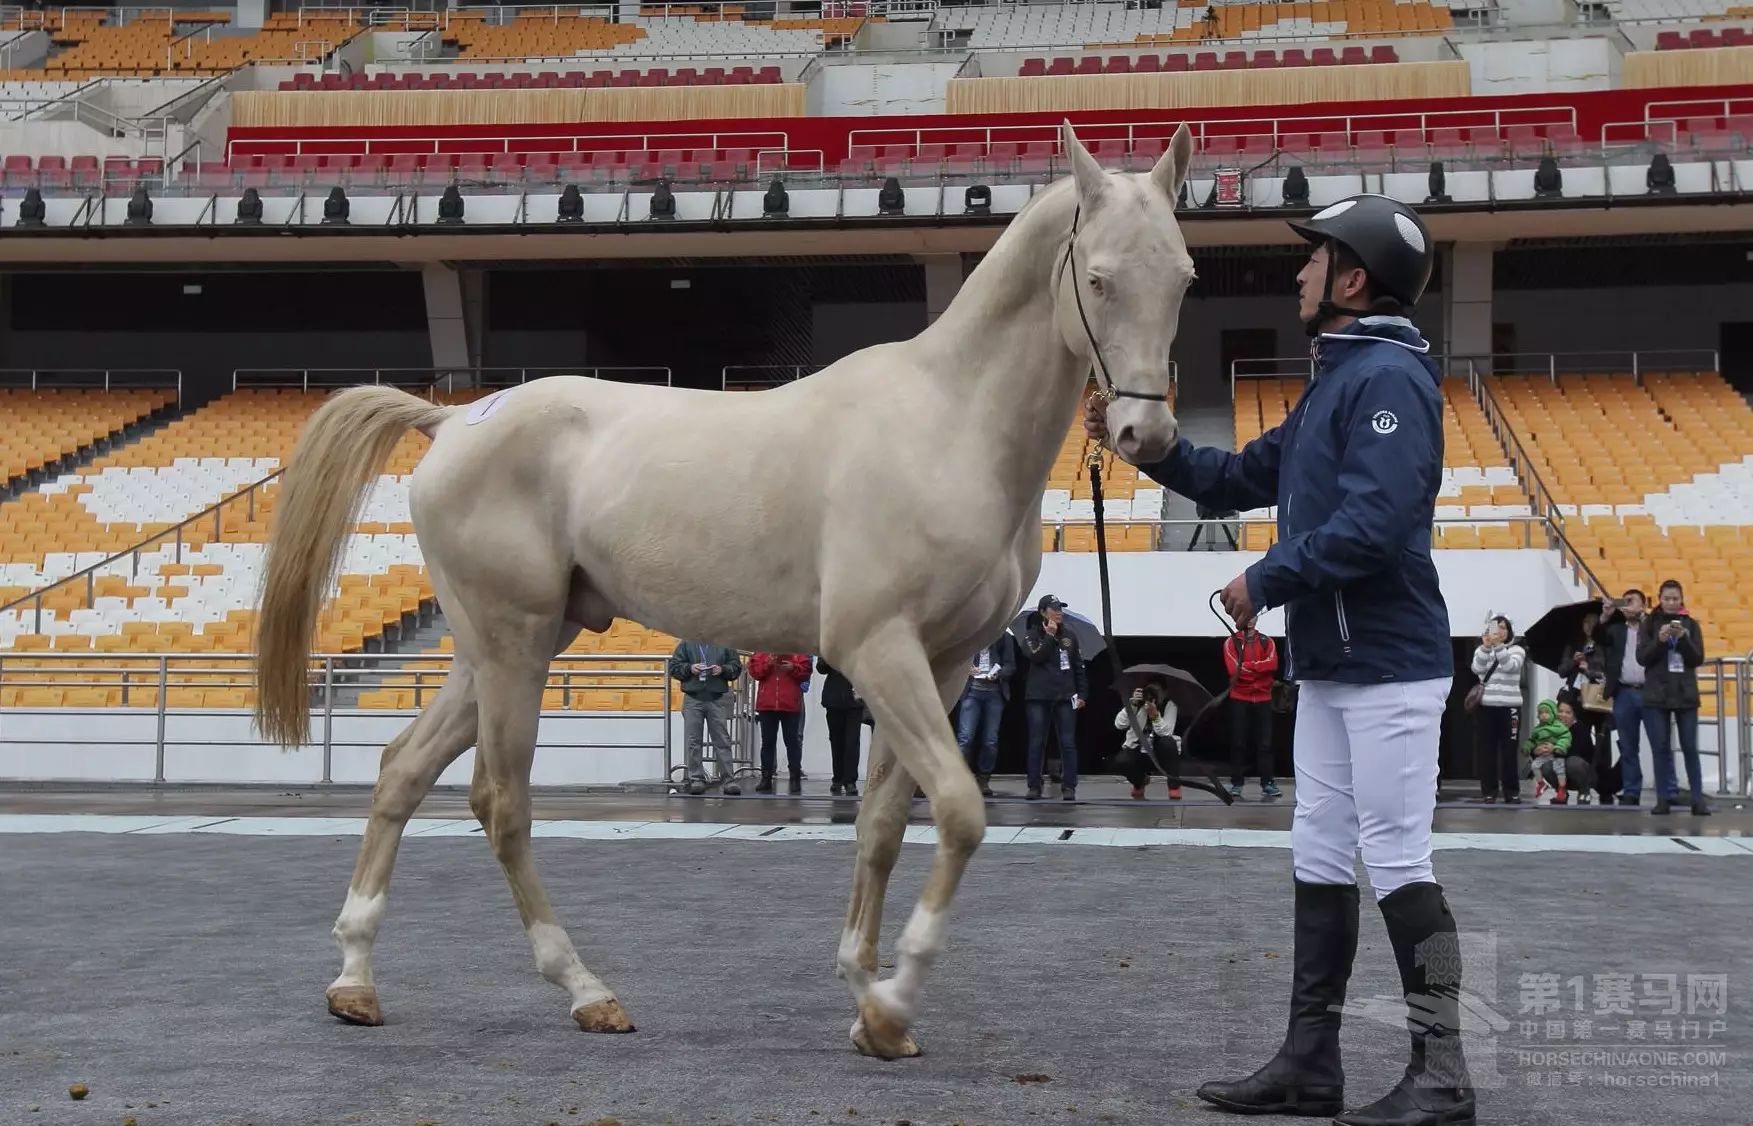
(960, 814)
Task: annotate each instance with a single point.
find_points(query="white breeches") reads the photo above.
(1366, 774)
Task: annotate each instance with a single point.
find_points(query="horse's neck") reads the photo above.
(999, 341)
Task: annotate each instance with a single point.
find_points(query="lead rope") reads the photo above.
(1133, 718)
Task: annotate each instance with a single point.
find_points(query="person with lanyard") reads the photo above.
(1354, 472)
(1621, 619)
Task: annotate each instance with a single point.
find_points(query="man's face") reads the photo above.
(1634, 605)
(1309, 282)
(1055, 614)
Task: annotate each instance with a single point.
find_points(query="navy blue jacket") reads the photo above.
(1354, 471)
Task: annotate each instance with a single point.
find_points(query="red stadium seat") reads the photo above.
(1032, 68)
(1385, 54)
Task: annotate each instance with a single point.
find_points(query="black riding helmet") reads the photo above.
(1387, 237)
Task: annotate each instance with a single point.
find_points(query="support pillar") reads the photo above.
(446, 325)
(943, 280)
(1467, 301)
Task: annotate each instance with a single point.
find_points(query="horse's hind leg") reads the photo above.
(511, 700)
(908, 700)
(411, 764)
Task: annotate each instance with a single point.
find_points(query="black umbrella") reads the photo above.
(1177, 685)
(1089, 635)
(1558, 628)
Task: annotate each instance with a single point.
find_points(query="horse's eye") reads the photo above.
(1095, 284)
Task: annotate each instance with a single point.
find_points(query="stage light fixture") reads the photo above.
(977, 200)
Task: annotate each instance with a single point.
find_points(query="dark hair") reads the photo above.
(1344, 260)
(1675, 584)
(1154, 694)
(1642, 597)
(1509, 631)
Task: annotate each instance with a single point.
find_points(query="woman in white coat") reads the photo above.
(1498, 665)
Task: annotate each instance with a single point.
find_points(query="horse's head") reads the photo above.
(1119, 290)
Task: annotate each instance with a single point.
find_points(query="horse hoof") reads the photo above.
(877, 1034)
(606, 1015)
(355, 1004)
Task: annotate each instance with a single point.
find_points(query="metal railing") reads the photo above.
(490, 144)
(164, 685)
(758, 377)
(1728, 683)
(1637, 363)
(432, 380)
(177, 535)
(108, 379)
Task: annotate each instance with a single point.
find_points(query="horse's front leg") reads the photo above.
(882, 820)
(909, 703)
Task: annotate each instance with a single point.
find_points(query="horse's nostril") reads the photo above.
(1126, 434)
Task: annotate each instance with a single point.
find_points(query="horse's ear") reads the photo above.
(1171, 168)
(1091, 181)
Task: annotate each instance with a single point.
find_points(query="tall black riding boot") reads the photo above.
(1305, 1077)
(1436, 1089)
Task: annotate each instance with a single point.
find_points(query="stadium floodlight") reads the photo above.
(31, 210)
(450, 207)
(977, 200)
(1296, 187)
(663, 201)
(249, 209)
(1439, 184)
(336, 209)
(891, 200)
(776, 204)
(1660, 177)
(139, 208)
(1548, 180)
(571, 205)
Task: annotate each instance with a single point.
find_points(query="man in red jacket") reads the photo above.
(1252, 660)
(778, 707)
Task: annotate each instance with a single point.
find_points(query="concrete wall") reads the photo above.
(858, 89)
(1646, 317)
(1542, 65)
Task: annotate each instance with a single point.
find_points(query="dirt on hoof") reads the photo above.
(606, 1015)
(355, 1004)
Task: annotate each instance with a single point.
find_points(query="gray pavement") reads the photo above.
(181, 979)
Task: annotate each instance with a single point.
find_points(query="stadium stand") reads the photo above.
(1703, 38)
(541, 80)
(195, 589)
(1658, 478)
(46, 429)
(1008, 27)
(94, 42)
(1206, 60)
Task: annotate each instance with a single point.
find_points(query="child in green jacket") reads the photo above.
(1548, 743)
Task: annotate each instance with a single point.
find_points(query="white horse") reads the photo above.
(571, 502)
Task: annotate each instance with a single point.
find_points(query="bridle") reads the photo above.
(1105, 388)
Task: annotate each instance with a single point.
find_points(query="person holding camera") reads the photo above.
(705, 673)
(1156, 717)
(778, 708)
(1497, 662)
(1056, 691)
(1670, 647)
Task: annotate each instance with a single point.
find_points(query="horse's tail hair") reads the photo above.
(341, 451)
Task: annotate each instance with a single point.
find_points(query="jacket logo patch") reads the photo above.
(1384, 422)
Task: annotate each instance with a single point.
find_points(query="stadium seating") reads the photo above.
(542, 80)
(1676, 502)
(196, 593)
(44, 427)
(92, 42)
(1206, 60)
(573, 685)
(1010, 27)
(1069, 497)
(1703, 37)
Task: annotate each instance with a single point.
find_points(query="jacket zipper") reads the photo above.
(1344, 627)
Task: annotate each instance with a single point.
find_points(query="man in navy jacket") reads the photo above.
(1354, 473)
